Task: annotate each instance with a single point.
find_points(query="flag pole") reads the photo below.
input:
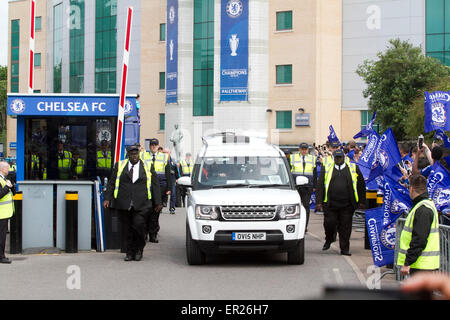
(121, 113)
(31, 46)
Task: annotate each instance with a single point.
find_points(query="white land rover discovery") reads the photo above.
(242, 196)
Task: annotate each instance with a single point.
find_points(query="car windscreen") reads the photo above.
(251, 172)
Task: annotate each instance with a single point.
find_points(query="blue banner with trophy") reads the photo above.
(234, 51)
(437, 111)
(172, 52)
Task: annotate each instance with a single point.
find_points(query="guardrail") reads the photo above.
(444, 239)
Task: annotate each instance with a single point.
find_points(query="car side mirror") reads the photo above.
(301, 181)
(185, 181)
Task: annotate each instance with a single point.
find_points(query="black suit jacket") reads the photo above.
(361, 187)
(129, 191)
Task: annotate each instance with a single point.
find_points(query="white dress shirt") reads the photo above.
(135, 170)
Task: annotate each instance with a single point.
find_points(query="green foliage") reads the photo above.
(395, 80)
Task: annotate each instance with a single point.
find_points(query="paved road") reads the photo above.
(165, 274)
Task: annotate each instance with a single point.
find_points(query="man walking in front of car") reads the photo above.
(340, 191)
(133, 191)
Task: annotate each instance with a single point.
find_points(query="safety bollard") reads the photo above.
(15, 235)
(71, 221)
(371, 202)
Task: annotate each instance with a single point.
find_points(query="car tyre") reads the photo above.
(297, 255)
(194, 255)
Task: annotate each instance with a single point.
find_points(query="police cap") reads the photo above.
(339, 153)
(132, 148)
(154, 141)
(304, 145)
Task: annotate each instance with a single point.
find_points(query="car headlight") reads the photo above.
(206, 212)
(290, 211)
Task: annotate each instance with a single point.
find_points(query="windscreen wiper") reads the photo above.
(230, 185)
(268, 185)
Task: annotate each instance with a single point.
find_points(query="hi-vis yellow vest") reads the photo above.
(429, 259)
(329, 173)
(6, 203)
(79, 167)
(103, 162)
(160, 162)
(297, 164)
(186, 169)
(122, 165)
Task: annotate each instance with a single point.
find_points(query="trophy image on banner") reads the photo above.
(171, 49)
(234, 43)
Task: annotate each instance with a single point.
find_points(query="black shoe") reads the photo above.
(129, 257)
(153, 238)
(138, 256)
(346, 253)
(326, 246)
(5, 260)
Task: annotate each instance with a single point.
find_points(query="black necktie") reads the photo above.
(131, 172)
(304, 164)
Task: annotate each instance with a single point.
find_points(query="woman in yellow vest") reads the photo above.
(419, 240)
(6, 208)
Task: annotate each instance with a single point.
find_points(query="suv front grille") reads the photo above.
(240, 213)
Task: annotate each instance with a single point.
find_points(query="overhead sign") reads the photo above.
(172, 52)
(234, 51)
(68, 105)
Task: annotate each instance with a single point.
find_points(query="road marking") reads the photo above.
(338, 276)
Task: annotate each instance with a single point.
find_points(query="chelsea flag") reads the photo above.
(234, 51)
(437, 108)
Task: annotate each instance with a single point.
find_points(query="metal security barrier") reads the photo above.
(444, 239)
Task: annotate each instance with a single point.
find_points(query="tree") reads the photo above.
(3, 90)
(395, 80)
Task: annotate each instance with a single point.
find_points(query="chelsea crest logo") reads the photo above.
(17, 106)
(388, 236)
(234, 8)
(438, 115)
(128, 107)
(172, 14)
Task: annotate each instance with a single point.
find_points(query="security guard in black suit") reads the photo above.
(134, 191)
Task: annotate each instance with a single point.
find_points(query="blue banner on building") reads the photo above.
(72, 105)
(234, 51)
(437, 111)
(172, 52)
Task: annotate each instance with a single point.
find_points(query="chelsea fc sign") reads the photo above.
(234, 8)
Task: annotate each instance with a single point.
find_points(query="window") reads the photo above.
(438, 30)
(37, 59)
(162, 121)
(284, 119)
(162, 32)
(203, 104)
(15, 40)
(38, 23)
(162, 80)
(57, 47)
(105, 46)
(284, 74)
(76, 49)
(284, 20)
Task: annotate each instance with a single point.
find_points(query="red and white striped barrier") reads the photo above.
(31, 51)
(123, 87)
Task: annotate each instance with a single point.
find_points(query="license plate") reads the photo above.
(248, 236)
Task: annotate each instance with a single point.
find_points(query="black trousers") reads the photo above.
(3, 232)
(305, 196)
(134, 229)
(153, 216)
(340, 220)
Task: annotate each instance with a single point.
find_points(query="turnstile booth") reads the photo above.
(66, 142)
